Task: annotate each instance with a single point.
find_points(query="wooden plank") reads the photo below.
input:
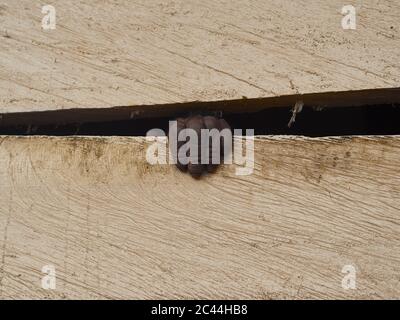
(125, 53)
(116, 227)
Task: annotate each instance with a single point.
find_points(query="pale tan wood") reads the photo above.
(133, 53)
(116, 227)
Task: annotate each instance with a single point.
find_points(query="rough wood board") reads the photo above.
(132, 53)
(116, 227)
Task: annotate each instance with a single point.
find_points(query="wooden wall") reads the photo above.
(114, 226)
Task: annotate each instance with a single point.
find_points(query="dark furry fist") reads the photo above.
(201, 148)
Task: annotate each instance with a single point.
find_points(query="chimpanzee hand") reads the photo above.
(197, 123)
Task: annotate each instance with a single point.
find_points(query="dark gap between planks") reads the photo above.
(311, 121)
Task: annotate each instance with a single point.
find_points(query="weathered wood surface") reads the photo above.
(116, 227)
(133, 53)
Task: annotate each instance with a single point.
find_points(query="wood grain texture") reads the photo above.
(133, 53)
(116, 227)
